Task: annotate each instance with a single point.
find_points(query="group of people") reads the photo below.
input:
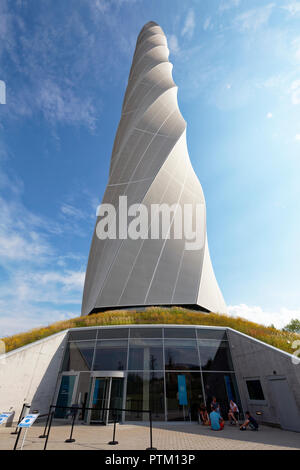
(215, 420)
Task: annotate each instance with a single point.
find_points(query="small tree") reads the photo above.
(293, 326)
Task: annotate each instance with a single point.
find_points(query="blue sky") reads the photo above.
(66, 64)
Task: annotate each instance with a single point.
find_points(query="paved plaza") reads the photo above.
(185, 436)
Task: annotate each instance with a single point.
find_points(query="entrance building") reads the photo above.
(171, 370)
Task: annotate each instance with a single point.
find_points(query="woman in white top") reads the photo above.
(233, 413)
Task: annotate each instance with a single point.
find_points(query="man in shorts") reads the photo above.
(249, 422)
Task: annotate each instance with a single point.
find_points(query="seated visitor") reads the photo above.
(216, 421)
(215, 405)
(233, 414)
(249, 421)
(203, 415)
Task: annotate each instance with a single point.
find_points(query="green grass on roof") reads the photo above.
(158, 315)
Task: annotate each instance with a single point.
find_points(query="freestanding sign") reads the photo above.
(28, 421)
(182, 395)
(4, 417)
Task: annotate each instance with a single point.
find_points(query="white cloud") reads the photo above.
(295, 92)
(252, 20)
(296, 48)
(32, 297)
(189, 25)
(173, 44)
(269, 115)
(62, 104)
(228, 4)
(37, 285)
(297, 137)
(256, 314)
(293, 8)
(71, 211)
(21, 238)
(206, 24)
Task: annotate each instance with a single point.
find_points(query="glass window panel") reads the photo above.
(82, 335)
(222, 386)
(145, 390)
(194, 392)
(145, 354)
(215, 355)
(255, 390)
(179, 333)
(112, 333)
(211, 334)
(181, 355)
(111, 355)
(65, 394)
(79, 356)
(145, 332)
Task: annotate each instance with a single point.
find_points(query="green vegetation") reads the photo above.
(293, 326)
(159, 315)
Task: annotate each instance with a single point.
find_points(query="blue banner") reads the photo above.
(182, 396)
(228, 387)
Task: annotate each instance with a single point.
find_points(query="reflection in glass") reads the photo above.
(65, 394)
(82, 335)
(116, 398)
(111, 355)
(145, 332)
(222, 386)
(100, 399)
(179, 332)
(145, 354)
(205, 333)
(145, 390)
(177, 412)
(181, 355)
(215, 355)
(113, 333)
(79, 356)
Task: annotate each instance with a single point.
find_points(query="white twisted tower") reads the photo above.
(150, 165)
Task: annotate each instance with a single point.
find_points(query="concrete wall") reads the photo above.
(256, 360)
(29, 374)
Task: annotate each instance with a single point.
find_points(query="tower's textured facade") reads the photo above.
(150, 165)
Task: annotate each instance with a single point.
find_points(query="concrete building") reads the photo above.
(137, 368)
(169, 369)
(150, 165)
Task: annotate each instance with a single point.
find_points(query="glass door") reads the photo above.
(100, 399)
(106, 393)
(116, 398)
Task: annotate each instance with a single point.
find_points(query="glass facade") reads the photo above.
(168, 370)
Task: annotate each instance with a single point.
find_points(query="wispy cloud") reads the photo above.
(257, 314)
(295, 92)
(228, 4)
(189, 25)
(38, 285)
(71, 211)
(173, 44)
(253, 19)
(207, 23)
(36, 51)
(62, 104)
(293, 8)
